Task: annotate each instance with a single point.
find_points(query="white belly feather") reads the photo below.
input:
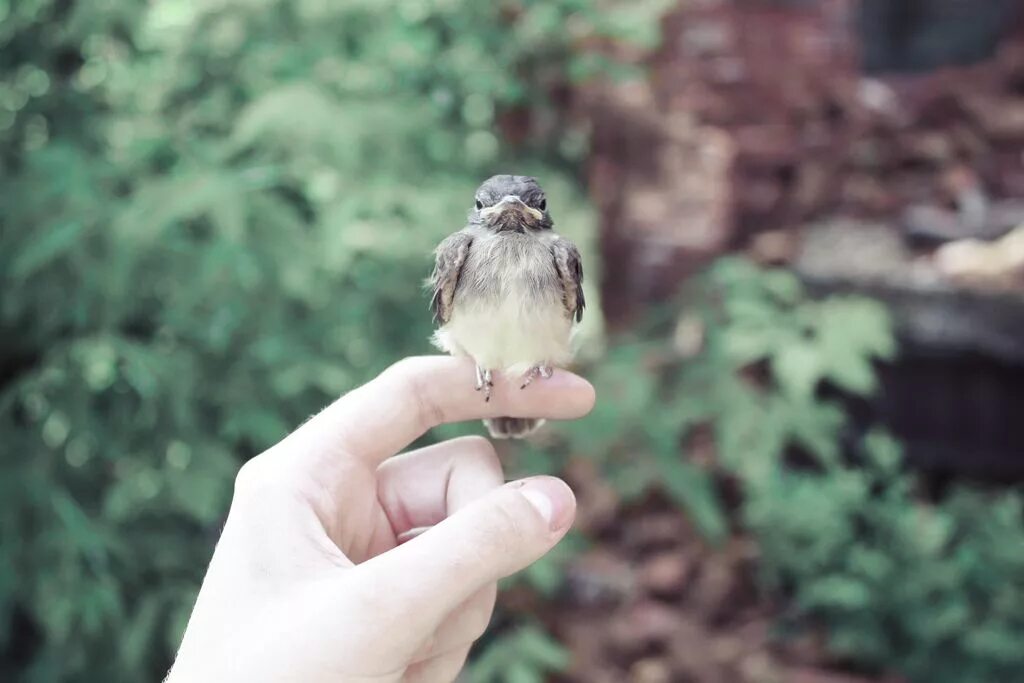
(507, 336)
(508, 324)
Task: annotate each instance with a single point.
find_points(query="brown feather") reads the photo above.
(449, 259)
(570, 271)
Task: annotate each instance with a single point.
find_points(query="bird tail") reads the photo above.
(512, 427)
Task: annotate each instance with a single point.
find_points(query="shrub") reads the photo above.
(217, 217)
(933, 589)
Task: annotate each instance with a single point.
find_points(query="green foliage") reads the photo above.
(217, 217)
(935, 592)
(524, 655)
(751, 323)
(546, 574)
(932, 590)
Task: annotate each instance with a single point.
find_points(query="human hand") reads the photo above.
(311, 581)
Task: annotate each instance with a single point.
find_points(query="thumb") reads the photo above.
(492, 537)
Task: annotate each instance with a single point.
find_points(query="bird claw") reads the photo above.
(484, 383)
(543, 371)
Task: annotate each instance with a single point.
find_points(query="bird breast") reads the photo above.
(508, 311)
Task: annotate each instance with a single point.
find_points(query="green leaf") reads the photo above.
(537, 646)
(522, 672)
(178, 619)
(816, 426)
(858, 325)
(784, 286)
(547, 574)
(43, 250)
(797, 367)
(747, 344)
(694, 490)
(852, 373)
(140, 632)
(884, 451)
(837, 592)
(525, 653)
(167, 201)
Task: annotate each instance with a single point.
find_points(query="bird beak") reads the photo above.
(508, 203)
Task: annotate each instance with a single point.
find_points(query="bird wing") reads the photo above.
(450, 256)
(570, 273)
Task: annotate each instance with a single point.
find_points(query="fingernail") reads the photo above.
(541, 503)
(552, 499)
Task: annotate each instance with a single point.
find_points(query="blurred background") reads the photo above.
(802, 231)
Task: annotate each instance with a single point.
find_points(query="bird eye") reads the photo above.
(543, 205)
(479, 205)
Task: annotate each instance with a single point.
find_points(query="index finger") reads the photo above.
(416, 394)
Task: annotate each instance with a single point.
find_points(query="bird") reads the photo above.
(507, 291)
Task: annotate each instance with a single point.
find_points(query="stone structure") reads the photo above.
(760, 116)
(872, 130)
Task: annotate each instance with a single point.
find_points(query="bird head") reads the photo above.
(511, 203)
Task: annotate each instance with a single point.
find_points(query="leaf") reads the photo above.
(80, 527)
(539, 647)
(884, 452)
(797, 367)
(50, 245)
(178, 619)
(522, 672)
(167, 201)
(816, 426)
(228, 216)
(838, 592)
(201, 491)
(858, 325)
(852, 372)
(136, 643)
(783, 285)
(547, 574)
(544, 575)
(694, 490)
(523, 654)
(749, 436)
(297, 110)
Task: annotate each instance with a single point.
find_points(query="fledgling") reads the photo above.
(507, 290)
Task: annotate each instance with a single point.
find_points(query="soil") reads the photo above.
(650, 602)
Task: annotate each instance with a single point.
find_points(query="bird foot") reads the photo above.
(484, 383)
(536, 371)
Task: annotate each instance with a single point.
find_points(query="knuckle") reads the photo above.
(480, 611)
(481, 449)
(261, 481)
(411, 379)
(478, 626)
(252, 478)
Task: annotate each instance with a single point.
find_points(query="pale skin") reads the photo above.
(321, 572)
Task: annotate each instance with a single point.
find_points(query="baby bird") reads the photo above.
(507, 290)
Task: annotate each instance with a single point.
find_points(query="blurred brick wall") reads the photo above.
(760, 115)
